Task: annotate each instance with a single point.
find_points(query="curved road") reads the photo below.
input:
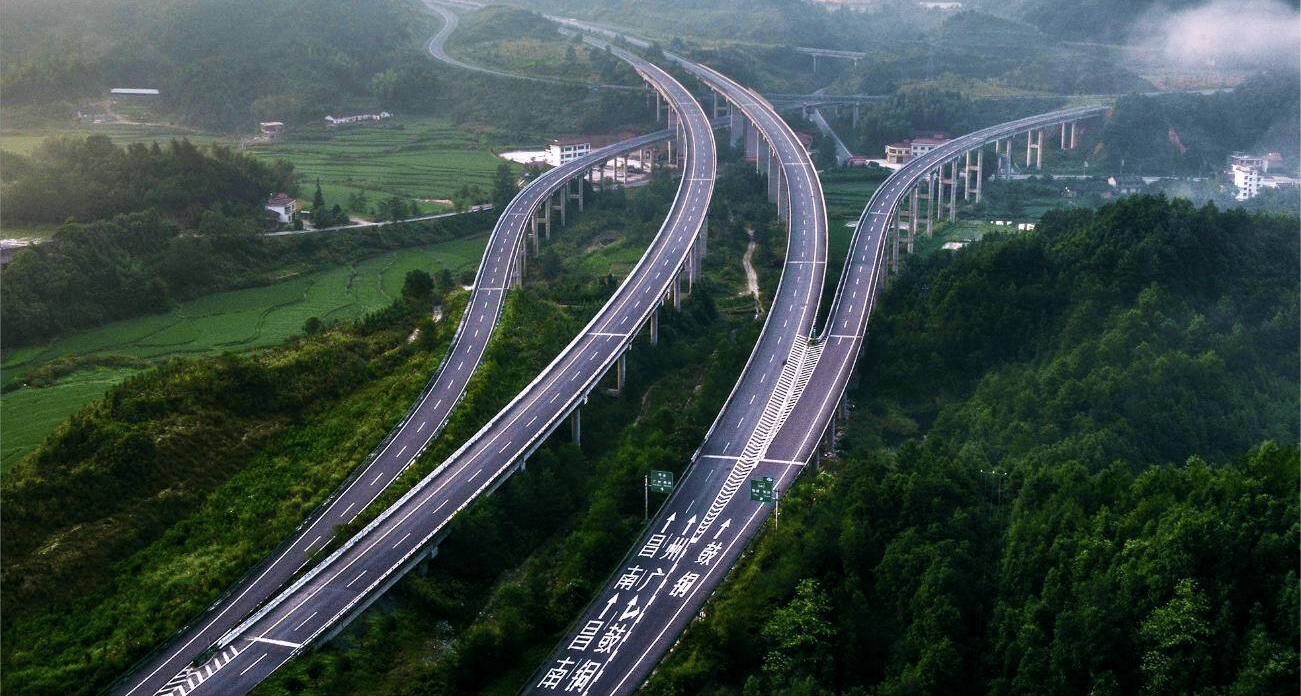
(701, 529)
(338, 588)
(167, 669)
(437, 49)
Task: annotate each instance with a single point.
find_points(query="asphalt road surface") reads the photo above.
(166, 669)
(334, 590)
(702, 528)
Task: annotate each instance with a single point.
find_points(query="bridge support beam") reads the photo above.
(1034, 143)
(975, 175)
(576, 425)
(925, 192)
(953, 190)
(653, 326)
(620, 370)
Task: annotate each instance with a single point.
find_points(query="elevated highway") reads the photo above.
(700, 532)
(701, 529)
(528, 216)
(333, 592)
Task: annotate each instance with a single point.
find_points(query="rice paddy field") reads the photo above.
(427, 160)
(234, 321)
(25, 141)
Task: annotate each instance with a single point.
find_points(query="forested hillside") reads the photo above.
(218, 64)
(1054, 481)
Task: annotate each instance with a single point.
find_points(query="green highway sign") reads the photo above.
(661, 481)
(761, 490)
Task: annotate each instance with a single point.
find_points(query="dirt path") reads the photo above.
(752, 278)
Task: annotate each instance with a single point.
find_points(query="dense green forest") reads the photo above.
(1194, 133)
(218, 64)
(1053, 481)
(87, 179)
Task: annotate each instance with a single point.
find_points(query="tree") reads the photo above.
(503, 187)
(417, 287)
(318, 199)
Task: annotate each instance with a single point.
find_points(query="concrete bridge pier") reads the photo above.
(654, 326)
(736, 127)
(574, 195)
(620, 370)
(924, 192)
(576, 424)
(953, 190)
(975, 175)
(783, 194)
(1034, 144)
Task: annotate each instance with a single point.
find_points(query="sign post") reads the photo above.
(658, 481)
(762, 491)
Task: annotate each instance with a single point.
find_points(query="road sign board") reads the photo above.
(761, 490)
(661, 481)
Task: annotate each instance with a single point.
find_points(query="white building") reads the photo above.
(283, 206)
(1247, 178)
(564, 150)
(921, 146)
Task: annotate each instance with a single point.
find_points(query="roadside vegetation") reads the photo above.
(43, 385)
(163, 468)
(1066, 449)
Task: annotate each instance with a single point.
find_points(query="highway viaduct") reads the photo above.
(333, 592)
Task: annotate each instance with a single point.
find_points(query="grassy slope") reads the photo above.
(229, 321)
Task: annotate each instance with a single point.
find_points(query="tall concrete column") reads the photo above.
(912, 220)
(576, 424)
(980, 174)
(953, 192)
(922, 192)
(675, 289)
(1034, 143)
(620, 369)
(655, 327)
(1073, 133)
(548, 203)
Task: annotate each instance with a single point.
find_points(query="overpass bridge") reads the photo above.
(702, 529)
(328, 596)
(704, 525)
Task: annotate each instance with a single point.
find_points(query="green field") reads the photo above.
(25, 141)
(229, 321)
(421, 159)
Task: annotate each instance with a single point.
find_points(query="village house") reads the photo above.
(283, 206)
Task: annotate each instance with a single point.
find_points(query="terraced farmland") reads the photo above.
(421, 159)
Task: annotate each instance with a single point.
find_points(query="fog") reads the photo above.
(1224, 33)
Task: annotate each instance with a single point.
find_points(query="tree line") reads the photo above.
(87, 179)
